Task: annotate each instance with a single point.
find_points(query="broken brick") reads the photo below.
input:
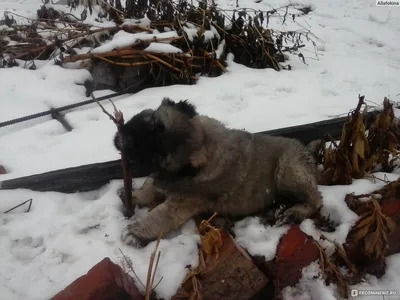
(295, 251)
(233, 276)
(104, 281)
(2, 170)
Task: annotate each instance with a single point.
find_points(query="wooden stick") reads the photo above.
(167, 64)
(139, 63)
(118, 120)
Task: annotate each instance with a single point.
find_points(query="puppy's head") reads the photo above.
(162, 138)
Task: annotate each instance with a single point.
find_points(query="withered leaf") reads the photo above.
(344, 133)
(211, 241)
(389, 224)
(355, 162)
(363, 226)
(374, 227)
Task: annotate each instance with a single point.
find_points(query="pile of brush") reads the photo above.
(175, 42)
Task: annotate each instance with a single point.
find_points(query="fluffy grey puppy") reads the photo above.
(201, 166)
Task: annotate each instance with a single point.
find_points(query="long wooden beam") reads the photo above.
(94, 176)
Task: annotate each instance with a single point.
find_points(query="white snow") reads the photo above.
(162, 48)
(387, 283)
(191, 31)
(258, 239)
(124, 39)
(220, 49)
(208, 35)
(310, 287)
(63, 235)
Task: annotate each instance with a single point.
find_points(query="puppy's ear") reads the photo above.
(183, 106)
(187, 108)
(167, 101)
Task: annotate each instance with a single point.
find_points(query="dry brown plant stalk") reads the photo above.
(348, 159)
(382, 139)
(332, 272)
(150, 273)
(359, 153)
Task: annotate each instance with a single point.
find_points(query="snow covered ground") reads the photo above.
(64, 235)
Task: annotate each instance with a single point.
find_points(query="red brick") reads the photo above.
(231, 276)
(105, 281)
(295, 251)
(2, 170)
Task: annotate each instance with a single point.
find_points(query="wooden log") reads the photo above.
(312, 131)
(232, 277)
(105, 281)
(93, 176)
(71, 180)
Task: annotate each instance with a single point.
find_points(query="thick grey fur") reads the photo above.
(234, 172)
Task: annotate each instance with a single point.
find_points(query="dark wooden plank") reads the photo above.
(313, 131)
(93, 176)
(71, 180)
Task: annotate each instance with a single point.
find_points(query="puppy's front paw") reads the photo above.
(121, 194)
(131, 238)
(289, 217)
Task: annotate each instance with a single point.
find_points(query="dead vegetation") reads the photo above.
(373, 228)
(151, 272)
(199, 37)
(359, 153)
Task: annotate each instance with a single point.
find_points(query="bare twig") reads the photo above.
(129, 264)
(27, 210)
(104, 110)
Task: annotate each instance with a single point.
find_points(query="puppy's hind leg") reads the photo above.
(296, 180)
(169, 215)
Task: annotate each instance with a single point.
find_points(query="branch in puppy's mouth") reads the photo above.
(118, 120)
